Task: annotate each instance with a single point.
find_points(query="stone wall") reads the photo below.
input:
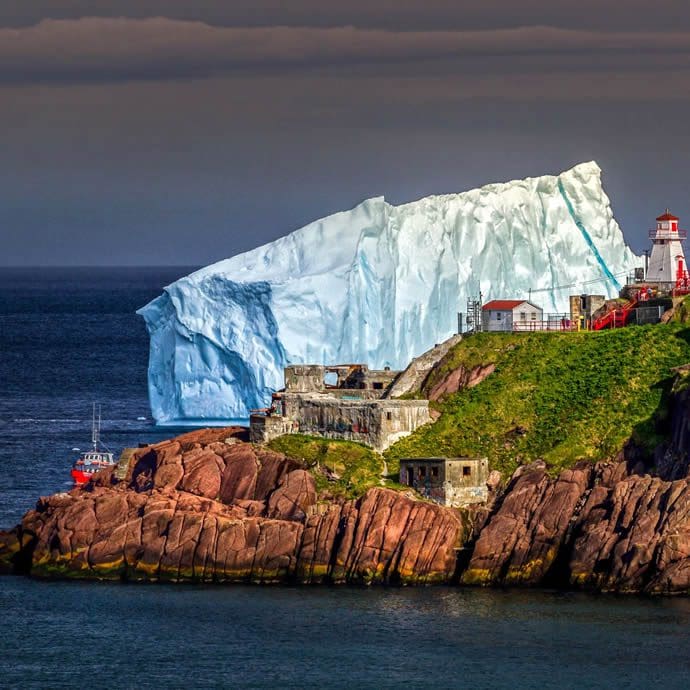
(378, 379)
(304, 378)
(377, 423)
(354, 394)
(311, 378)
(264, 428)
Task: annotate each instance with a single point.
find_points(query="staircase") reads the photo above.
(615, 318)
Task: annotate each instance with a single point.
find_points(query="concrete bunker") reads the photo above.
(353, 409)
(451, 482)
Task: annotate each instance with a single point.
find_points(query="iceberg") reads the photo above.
(378, 284)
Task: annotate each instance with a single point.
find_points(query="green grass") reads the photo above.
(357, 466)
(561, 397)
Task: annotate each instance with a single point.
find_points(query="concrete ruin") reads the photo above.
(316, 378)
(583, 308)
(351, 407)
(451, 482)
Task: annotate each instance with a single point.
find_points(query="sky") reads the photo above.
(176, 132)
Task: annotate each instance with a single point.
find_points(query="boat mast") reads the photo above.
(95, 428)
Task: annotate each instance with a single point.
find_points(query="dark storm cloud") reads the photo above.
(98, 49)
(394, 14)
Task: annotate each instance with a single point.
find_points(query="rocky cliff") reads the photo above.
(207, 507)
(610, 526)
(593, 527)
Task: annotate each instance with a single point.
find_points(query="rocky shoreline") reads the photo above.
(206, 507)
(210, 507)
(597, 528)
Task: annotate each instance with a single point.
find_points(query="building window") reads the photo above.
(523, 316)
(466, 471)
(422, 471)
(499, 316)
(330, 378)
(389, 416)
(534, 316)
(410, 476)
(434, 471)
(378, 385)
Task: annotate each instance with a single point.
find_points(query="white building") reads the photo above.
(667, 261)
(512, 315)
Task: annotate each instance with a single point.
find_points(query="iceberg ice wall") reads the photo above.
(378, 284)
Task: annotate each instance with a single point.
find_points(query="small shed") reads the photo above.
(449, 481)
(510, 315)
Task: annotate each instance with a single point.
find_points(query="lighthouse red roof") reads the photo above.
(668, 216)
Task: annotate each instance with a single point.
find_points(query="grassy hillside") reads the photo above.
(561, 397)
(341, 468)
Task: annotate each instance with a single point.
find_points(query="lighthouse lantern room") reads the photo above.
(667, 261)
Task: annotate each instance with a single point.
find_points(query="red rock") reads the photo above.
(493, 482)
(634, 536)
(293, 498)
(273, 468)
(388, 537)
(197, 508)
(458, 379)
(251, 508)
(203, 470)
(168, 470)
(318, 540)
(521, 541)
(240, 474)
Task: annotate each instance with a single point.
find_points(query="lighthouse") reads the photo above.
(667, 261)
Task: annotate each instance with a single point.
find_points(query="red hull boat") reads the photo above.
(92, 461)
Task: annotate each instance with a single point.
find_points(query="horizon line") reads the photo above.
(6, 266)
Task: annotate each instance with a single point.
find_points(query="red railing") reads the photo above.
(615, 318)
(682, 285)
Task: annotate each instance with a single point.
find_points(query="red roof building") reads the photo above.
(511, 315)
(502, 304)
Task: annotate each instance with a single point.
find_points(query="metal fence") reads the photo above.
(643, 315)
(561, 324)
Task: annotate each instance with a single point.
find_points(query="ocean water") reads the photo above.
(69, 337)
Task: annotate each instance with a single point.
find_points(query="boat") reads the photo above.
(92, 461)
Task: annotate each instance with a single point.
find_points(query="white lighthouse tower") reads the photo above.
(667, 261)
